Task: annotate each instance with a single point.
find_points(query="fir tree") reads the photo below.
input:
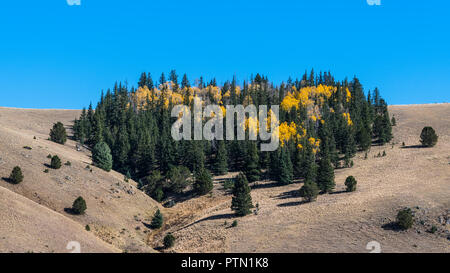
(101, 156)
(79, 206)
(325, 174)
(242, 200)
(157, 220)
(220, 164)
(428, 137)
(55, 162)
(286, 169)
(309, 191)
(252, 171)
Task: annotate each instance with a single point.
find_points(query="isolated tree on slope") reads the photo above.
(58, 133)
(242, 200)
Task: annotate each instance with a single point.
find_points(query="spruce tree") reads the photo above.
(221, 160)
(157, 220)
(286, 169)
(242, 200)
(325, 174)
(252, 171)
(101, 156)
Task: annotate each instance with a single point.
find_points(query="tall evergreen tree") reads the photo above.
(242, 200)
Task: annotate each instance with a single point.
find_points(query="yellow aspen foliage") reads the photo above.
(348, 95)
(348, 118)
(287, 132)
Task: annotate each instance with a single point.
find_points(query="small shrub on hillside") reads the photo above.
(428, 137)
(79, 206)
(55, 162)
(234, 224)
(405, 218)
(58, 133)
(169, 241)
(157, 220)
(433, 229)
(88, 228)
(49, 156)
(46, 171)
(68, 163)
(350, 183)
(16, 175)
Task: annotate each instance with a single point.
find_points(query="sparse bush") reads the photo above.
(79, 206)
(433, 229)
(55, 162)
(350, 183)
(169, 241)
(393, 121)
(157, 220)
(403, 144)
(428, 137)
(68, 163)
(234, 224)
(384, 153)
(46, 171)
(16, 175)
(58, 133)
(101, 156)
(49, 156)
(88, 228)
(405, 218)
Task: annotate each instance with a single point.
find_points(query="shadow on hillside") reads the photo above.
(212, 217)
(292, 204)
(392, 226)
(338, 192)
(413, 147)
(288, 194)
(8, 180)
(265, 185)
(69, 211)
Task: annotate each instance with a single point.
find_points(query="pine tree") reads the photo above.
(101, 156)
(58, 133)
(221, 160)
(252, 171)
(242, 200)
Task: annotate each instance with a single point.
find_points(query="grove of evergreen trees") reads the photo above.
(322, 123)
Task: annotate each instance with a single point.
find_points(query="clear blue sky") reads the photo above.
(53, 55)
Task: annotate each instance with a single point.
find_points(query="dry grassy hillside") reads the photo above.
(117, 212)
(341, 222)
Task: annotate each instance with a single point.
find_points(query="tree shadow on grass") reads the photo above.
(292, 204)
(289, 194)
(414, 147)
(8, 180)
(265, 185)
(338, 192)
(70, 211)
(212, 217)
(392, 226)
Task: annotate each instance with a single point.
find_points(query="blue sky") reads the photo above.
(53, 55)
